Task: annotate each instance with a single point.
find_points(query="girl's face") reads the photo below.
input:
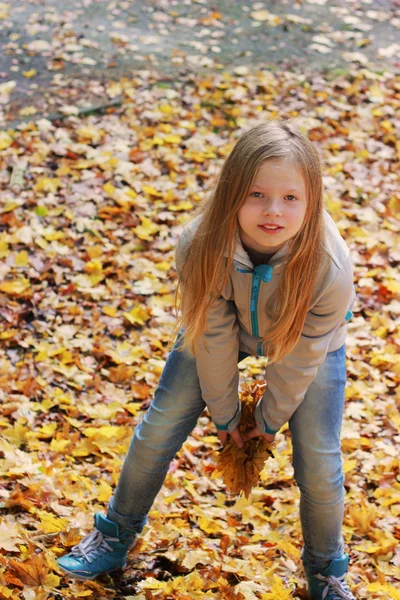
(277, 196)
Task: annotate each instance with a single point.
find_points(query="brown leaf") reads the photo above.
(32, 572)
(240, 468)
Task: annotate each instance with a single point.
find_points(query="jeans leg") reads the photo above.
(172, 415)
(317, 461)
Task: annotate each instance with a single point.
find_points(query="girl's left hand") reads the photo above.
(270, 437)
(237, 438)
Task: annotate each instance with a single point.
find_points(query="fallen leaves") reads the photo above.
(88, 233)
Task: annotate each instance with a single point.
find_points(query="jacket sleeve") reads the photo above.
(217, 367)
(289, 379)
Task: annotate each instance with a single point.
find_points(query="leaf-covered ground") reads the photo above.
(89, 222)
(55, 61)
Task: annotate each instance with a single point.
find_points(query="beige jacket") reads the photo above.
(236, 321)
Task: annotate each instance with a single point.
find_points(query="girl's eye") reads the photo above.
(288, 196)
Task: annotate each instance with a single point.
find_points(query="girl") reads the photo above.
(263, 271)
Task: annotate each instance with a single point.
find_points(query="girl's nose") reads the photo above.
(272, 207)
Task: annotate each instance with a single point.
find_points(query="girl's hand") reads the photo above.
(235, 435)
(270, 437)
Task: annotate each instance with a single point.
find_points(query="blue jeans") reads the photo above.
(317, 461)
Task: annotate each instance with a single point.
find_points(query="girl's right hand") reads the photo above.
(235, 435)
(270, 437)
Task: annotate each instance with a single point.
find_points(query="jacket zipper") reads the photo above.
(255, 290)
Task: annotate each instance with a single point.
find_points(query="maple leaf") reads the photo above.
(10, 536)
(32, 572)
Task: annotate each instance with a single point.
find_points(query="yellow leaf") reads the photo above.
(4, 8)
(21, 258)
(107, 431)
(132, 407)
(146, 230)
(208, 525)
(57, 351)
(386, 125)
(52, 581)
(362, 515)
(349, 465)
(137, 315)
(173, 138)
(45, 184)
(278, 590)
(54, 235)
(165, 127)
(188, 583)
(284, 544)
(27, 111)
(5, 335)
(166, 109)
(9, 207)
(338, 168)
(334, 207)
(104, 492)
(392, 285)
(4, 249)
(5, 592)
(265, 15)
(16, 287)
(50, 523)
(171, 498)
(389, 590)
(149, 189)
(90, 132)
(94, 266)
(185, 205)
(41, 242)
(375, 93)
(59, 445)
(163, 266)
(48, 430)
(394, 205)
(109, 189)
(88, 281)
(129, 192)
(30, 73)
(5, 140)
(110, 311)
(368, 547)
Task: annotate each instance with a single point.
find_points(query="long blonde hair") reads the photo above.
(206, 270)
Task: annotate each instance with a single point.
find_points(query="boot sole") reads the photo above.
(73, 575)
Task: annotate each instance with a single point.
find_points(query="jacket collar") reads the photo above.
(240, 254)
(243, 258)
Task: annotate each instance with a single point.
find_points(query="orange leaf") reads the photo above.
(32, 572)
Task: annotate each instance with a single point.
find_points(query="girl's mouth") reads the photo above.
(271, 230)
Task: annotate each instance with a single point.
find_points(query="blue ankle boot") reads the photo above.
(330, 583)
(104, 549)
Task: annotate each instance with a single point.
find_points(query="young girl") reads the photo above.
(264, 271)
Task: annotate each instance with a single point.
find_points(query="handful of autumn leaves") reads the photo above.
(240, 468)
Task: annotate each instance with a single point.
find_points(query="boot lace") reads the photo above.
(93, 545)
(337, 585)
